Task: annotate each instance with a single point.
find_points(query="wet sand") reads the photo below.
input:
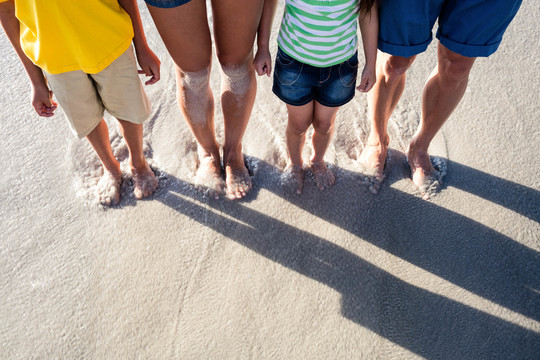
(334, 274)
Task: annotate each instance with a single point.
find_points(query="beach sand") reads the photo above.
(335, 274)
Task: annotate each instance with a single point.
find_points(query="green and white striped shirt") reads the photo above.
(319, 32)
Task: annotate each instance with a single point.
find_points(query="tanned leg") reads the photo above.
(185, 32)
(108, 187)
(323, 129)
(442, 93)
(145, 181)
(382, 100)
(300, 118)
(235, 28)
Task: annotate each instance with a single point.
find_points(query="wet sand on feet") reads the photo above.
(334, 274)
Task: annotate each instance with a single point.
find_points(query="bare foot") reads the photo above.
(238, 180)
(208, 179)
(294, 175)
(108, 189)
(372, 160)
(324, 178)
(145, 182)
(424, 175)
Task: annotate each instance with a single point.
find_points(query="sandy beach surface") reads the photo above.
(336, 274)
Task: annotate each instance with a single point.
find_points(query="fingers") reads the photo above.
(268, 69)
(260, 70)
(365, 85)
(152, 71)
(264, 68)
(44, 110)
(43, 103)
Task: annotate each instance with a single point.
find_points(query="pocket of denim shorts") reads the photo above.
(348, 70)
(284, 59)
(289, 73)
(352, 62)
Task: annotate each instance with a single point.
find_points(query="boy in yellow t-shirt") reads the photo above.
(81, 49)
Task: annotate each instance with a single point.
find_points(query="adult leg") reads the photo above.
(145, 181)
(235, 28)
(382, 100)
(184, 30)
(323, 129)
(300, 118)
(108, 187)
(442, 93)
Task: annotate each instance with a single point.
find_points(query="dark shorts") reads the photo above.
(297, 83)
(468, 27)
(166, 3)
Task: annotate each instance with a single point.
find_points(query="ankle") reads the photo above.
(232, 154)
(380, 141)
(417, 147)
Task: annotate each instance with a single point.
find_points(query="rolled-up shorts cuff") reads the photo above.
(166, 3)
(468, 50)
(403, 50)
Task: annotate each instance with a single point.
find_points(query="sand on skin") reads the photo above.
(340, 273)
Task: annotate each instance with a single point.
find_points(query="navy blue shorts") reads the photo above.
(297, 83)
(166, 3)
(468, 27)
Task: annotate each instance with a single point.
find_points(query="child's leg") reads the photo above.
(108, 188)
(323, 129)
(145, 182)
(300, 118)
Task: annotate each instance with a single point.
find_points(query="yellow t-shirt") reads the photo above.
(67, 35)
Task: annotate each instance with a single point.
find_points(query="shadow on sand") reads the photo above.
(449, 245)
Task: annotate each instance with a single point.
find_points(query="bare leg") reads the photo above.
(145, 182)
(108, 187)
(323, 126)
(235, 27)
(382, 100)
(300, 118)
(185, 32)
(442, 93)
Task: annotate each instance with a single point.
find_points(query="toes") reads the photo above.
(324, 178)
(209, 181)
(108, 189)
(145, 184)
(300, 187)
(238, 183)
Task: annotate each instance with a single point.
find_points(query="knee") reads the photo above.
(396, 66)
(193, 81)
(237, 79)
(323, 127)
(455, 69)
(234, 59)
(297, 128)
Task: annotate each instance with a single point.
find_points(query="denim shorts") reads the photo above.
(297, 83)
(470, 28)
(166, 3)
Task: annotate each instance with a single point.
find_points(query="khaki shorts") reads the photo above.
(117, 89)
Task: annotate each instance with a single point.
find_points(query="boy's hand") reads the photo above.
(263, 62)
(150, 64)
(368, 79)
(42, 101)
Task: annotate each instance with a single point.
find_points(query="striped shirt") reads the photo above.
(319, 32)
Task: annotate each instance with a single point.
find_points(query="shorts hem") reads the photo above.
(403, 50)
(131, 119)
(86, 132)
(336, 105)
(166, 4)
(289, 102)
(468, 50)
